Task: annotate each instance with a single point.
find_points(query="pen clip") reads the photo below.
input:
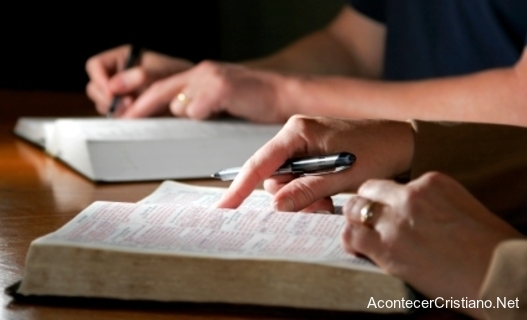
(323, 172)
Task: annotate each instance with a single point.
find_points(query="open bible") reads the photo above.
(175, 246)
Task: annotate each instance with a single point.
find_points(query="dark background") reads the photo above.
(45, 47)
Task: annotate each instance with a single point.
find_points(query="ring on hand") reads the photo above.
(181, 97)
(366, 214)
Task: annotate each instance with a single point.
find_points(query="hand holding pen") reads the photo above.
(110, 77)
(309, 166)
(383, 149)
(131, 60)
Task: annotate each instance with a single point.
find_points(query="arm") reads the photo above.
(497, 95)
(492, 96)
(352, 44)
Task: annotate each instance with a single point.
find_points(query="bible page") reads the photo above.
(180, 193)
(245, 233)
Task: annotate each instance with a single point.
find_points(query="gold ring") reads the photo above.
(366, 213)
(181, 97)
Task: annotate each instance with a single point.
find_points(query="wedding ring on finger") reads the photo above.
(183, 99)
(367, 214)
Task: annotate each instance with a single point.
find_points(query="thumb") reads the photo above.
(305, 191)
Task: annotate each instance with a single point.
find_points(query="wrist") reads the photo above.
(288, 95)
(295, 97)
(269, 63)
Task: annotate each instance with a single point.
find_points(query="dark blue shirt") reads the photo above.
(435, 38)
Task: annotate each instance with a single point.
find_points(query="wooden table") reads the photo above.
(39, 194)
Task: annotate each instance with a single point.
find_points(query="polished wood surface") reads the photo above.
(39, 194)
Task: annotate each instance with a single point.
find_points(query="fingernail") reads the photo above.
(323, 212)
(285, 204)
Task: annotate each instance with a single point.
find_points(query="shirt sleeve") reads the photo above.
(489, 160)
(375, 9)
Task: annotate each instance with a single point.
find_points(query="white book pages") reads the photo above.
(174, 192)
(114, 150)
(35, 130)
(183, 222)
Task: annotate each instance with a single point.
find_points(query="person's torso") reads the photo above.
(435, 38)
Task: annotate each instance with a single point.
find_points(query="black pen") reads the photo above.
(319, 165)
(133, 56)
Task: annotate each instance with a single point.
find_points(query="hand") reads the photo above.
(211, 88)
(431, 233)
(384, 149)
(107, 77)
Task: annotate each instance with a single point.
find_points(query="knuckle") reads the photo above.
(90, 63)
(366, 185)
(296, 118)
(252, 165)
(422, 189)
(271, 186)
(217, 76)
(348, 205)
(208, 66)
(303, 194)
(434, 178)
(351, 206)
(413, 200)
(298, 123)
(412, 194)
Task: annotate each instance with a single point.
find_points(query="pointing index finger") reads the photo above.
(156, 96)
(259, 167)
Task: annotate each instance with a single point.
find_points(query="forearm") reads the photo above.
(318, 53)
(352, 44)
(498, 96)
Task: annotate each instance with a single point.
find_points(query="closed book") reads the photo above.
(116, 150)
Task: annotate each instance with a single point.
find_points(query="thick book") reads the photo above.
(175, 246)
(115, 150)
